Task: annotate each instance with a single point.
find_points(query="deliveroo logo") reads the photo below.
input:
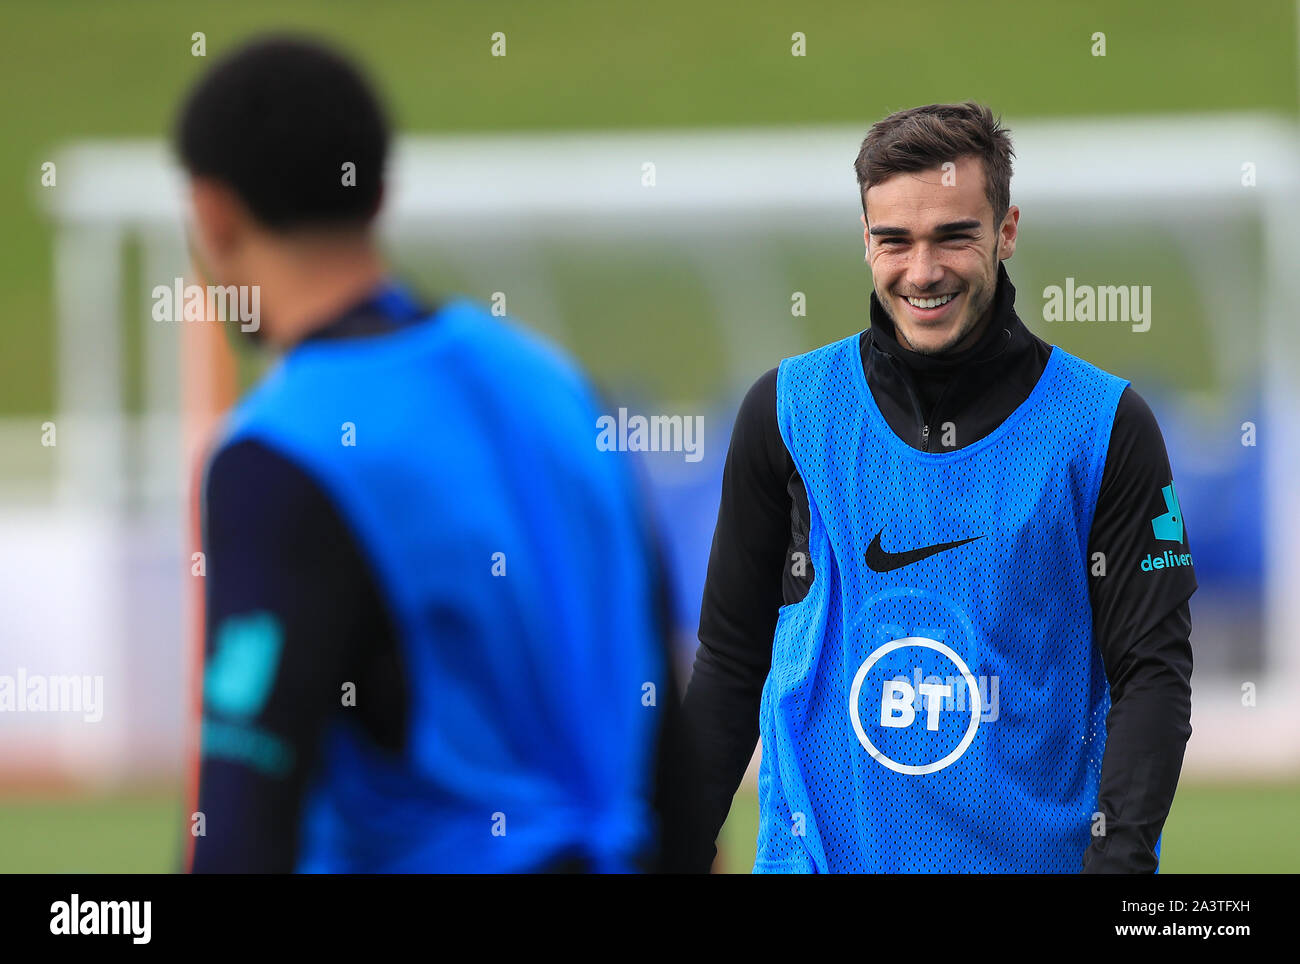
(1169, 527)
(239, 676)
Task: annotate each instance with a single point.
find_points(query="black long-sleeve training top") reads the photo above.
(1141, 626)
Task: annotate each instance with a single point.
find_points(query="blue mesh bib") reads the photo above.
(529, 737)
(935, 703)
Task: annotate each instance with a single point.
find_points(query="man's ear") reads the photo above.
(219, 219)
(866, 237)
(1008, 232)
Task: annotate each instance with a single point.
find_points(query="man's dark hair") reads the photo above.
(921, 138)
(276, 121)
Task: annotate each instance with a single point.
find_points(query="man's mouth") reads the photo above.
(936, 302)
(934, 308)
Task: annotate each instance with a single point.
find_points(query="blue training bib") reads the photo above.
(936, 703)
(513, 557)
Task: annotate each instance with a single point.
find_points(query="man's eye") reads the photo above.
(957, 237)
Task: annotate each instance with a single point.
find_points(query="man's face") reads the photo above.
(934, 253)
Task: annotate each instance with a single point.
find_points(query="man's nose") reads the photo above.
(923, 269)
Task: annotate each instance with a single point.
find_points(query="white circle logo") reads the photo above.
(971, 687)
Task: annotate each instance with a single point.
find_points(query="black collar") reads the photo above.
(389, 307)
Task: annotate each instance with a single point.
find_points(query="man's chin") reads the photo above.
(931, 340)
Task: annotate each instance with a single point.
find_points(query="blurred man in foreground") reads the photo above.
(434, 632)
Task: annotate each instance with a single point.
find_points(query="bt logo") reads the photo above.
(912, 720)
(898, 704)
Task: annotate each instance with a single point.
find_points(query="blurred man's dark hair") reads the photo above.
(277, 121)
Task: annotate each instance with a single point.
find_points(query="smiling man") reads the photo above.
(926, 588)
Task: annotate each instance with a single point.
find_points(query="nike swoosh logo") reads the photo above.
(879, 560)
